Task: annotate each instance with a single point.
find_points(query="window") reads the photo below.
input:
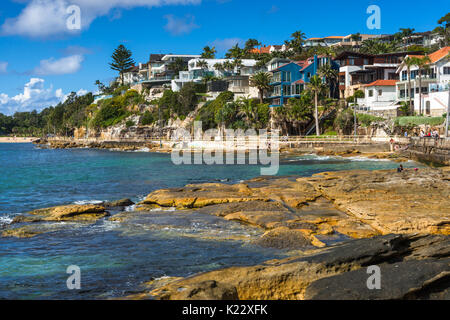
(446, 70)
(276, 90)
(287, 76)
(370, 93)
(380, 92)
(276, 77)
(404, 75)
(287, 90)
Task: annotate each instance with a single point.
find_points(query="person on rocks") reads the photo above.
(400, 169)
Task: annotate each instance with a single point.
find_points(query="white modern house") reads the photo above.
(198, 68)
(435, 83)
(380, 98)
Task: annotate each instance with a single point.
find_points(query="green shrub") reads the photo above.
(147, 118)
(129, 123)
(344, 121)
(366, 119)
(417, 120)
(109, 114)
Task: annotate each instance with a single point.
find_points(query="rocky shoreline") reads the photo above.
(334, 223)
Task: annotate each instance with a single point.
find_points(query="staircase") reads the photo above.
(326, 115)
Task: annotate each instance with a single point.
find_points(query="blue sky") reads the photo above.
(41, 60)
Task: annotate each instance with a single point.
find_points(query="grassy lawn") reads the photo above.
(417, 120)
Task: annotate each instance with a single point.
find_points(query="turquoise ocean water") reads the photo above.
(116, 258)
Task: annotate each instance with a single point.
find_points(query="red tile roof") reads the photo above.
(435, 56)
(382, 83)
(299, 82)
(438, 55)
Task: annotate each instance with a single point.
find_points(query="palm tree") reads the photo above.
(234, 52)
(409, 62)
(296, 43)
(237, 65)
(422, 63)
(178, 65)
(247, 110)
(209, 53)
(202, 64)
(316, 87)
(261, 80)
(330, 75)
(207, 78)
(228, 66)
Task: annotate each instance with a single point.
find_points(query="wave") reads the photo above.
(83, 202)
(5, 220)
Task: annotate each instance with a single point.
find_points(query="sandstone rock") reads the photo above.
(22, 232)
(414, 272)
(284, 238)
(205, 290)
(119, 203)
(72, 213)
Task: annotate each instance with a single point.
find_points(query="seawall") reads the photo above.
(429, 150)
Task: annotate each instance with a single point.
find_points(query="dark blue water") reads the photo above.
(115, 258)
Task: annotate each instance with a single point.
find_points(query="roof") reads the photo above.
(434, 57)
(438, 55)
(334, 37)
(156, 57)
(133, 69)
(266, 49)
(382, 83)
(299, 82)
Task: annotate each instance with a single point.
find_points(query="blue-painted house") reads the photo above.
(289, 80)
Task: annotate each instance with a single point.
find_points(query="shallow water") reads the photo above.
(115, 258)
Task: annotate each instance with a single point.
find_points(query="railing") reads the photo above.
(282, 139)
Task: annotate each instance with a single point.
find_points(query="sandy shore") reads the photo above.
(16, 140)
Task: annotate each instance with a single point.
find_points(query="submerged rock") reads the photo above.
(88, 212)
(22, 232)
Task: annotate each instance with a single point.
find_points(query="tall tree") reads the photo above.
(178, 65)
(422, 63)
(209, 53)
(121, 60)
(234, 53)
(444, 30)
(330, 75)
(316, 87)
(409, 62)
(295, 44)
(202, 64)
(261, 80)
(237, 64)
(251, 44)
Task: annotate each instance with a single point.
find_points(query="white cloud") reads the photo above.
(35, 96)
(179, 26)
(3, 67)
(66, 65)
(43, 18)
(225, 44)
